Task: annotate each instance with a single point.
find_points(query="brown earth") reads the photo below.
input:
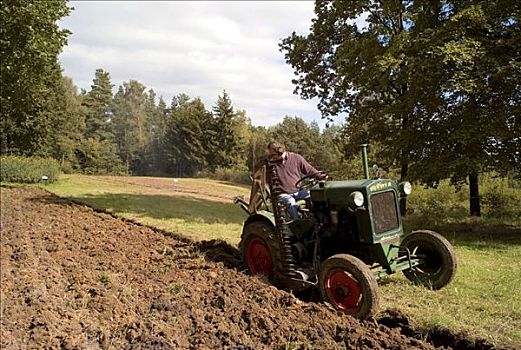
(73, 278)
(140, 183)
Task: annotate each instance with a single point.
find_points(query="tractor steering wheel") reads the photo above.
(308, 181)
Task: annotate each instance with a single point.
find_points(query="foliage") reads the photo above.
(98, 104)
(28, 169)
(237, 175)
(298, 137)
(226, 136)
(186, 148)
(320, 149)
(500, 199)
(130, 123)
(68, 125)
(97, 157)
(437, 204)
(446, 203)
(419, 78)
(30, 42)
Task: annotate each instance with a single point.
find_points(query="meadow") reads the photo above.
(483, 300)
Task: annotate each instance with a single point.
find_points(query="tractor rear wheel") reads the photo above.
(259, 250)
(438, 260)
(348, 284)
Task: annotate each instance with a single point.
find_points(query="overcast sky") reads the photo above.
(197, 48)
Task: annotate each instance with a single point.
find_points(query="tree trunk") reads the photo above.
(475, 209)
(403, 200)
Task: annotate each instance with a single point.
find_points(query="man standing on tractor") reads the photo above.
(291, 167)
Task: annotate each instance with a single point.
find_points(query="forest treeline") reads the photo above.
(131, 131)
(433, 86)
(136, 132)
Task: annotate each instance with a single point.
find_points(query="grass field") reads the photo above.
(483, 300)
(197, 208)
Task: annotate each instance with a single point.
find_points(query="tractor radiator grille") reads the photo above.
(384, 211)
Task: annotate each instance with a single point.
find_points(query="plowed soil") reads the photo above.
(73, 278)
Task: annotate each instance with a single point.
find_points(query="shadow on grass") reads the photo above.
(474, 235)
(161, 207)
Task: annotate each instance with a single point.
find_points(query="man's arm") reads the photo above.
(307, 169)
(304, 167)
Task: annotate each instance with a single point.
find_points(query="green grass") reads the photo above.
(197, 218)
(483, 300)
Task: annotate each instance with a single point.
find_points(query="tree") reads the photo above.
(68, 124)
(480, 119)
(321, 149)
(130, 123)
(30, 42)
(98, 157)
(298, 136)
(184, 141)
(419, 79)
(98, 102)
(154, 155)
(328, 153)
(226, 134)
(256, 149)
(243, 131)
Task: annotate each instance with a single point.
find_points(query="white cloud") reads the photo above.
(198, 48)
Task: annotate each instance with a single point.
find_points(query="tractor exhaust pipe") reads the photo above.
(364, 160)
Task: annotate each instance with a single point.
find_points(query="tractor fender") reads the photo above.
(262, 215)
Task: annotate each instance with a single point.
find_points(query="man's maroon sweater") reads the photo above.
(291, 169)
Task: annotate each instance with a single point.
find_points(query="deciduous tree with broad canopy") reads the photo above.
(434, 83)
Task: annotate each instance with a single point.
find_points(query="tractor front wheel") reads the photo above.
(349, 285)
(438, 262)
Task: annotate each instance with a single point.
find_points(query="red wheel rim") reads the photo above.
(343, 290)
(259, 257)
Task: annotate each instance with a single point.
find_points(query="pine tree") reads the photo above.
(68, 126)
(130, 124)
(227, 137)
(184, 141)
(98, 103)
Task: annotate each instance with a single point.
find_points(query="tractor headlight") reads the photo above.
(405, 188)
(356, 199)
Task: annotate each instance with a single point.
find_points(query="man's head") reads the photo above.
(276, 149)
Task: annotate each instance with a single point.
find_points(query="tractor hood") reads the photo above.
(337, 192)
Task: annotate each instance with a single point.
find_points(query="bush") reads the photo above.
(235, 175)
(28, 169)
(439, 203)
(100, 158)
(499, 199)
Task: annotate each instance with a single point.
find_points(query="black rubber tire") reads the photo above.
(440, 265)
(358, 271)
(265, 232)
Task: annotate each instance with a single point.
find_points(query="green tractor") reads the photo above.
(348, 236)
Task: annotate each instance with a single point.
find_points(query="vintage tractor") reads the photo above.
(347, 237)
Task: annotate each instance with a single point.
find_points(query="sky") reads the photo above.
(197, 48)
